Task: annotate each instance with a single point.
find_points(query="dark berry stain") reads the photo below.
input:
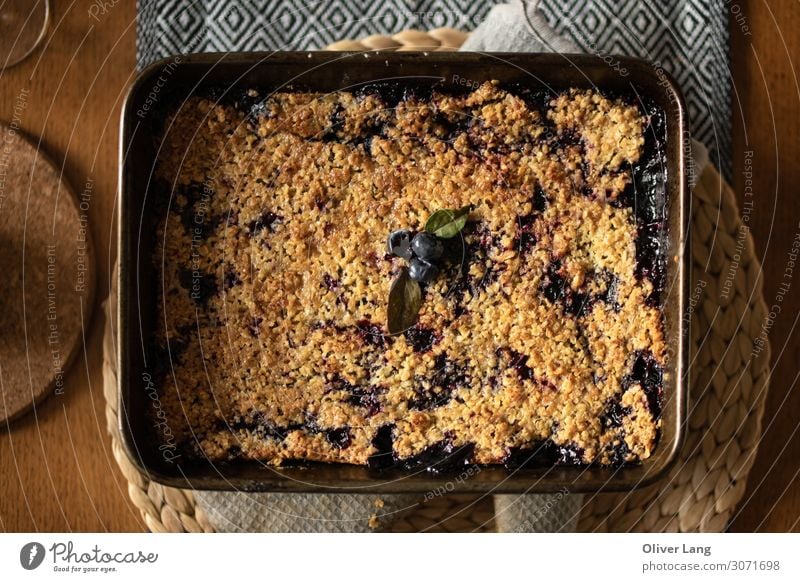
(230, 279)
(195, 214)
(611, 295)
(330, 283)
(254, 326)
(441, 457)
(260, 426)
(618, 454)
(339, 438)
(367, 397)
(646, 196)
(436, 391)
(383, 442)
(201, 286)
(450, 127)
(568, 138)
(332, 132)
(614, 413)
(557, 290)
(475, 246)
(569, 454)
(525, 239)
(518, 362)
(543, 454)
(162, 358)
(371, 333)
(250, 103)
(539, 199)
(648, 374)
(421, 338)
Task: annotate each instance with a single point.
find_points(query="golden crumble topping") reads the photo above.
(543, 340)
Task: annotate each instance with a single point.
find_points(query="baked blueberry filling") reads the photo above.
(518, 181)
(436, 391)
(614, 413)
(339, 438)
(543, 454)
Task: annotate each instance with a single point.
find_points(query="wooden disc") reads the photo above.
(47, 264)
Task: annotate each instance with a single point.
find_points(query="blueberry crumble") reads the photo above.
(537, 338)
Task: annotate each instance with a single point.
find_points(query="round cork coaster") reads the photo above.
(47, 266)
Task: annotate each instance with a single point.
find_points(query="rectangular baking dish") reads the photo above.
(165, 83)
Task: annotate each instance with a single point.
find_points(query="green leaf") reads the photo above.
(405, 298)
(448, 223)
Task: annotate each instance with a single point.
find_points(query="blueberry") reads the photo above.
(399, 244)
(422, 271)
(427, 246)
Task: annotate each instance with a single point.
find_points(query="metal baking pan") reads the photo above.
(159, 87)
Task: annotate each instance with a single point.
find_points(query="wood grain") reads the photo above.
(56, 470)
(766, 106)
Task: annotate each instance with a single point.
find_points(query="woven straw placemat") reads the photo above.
(726, 403)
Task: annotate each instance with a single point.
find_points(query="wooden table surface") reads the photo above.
(56, 468)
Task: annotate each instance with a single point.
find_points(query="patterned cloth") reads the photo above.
(688, 37)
